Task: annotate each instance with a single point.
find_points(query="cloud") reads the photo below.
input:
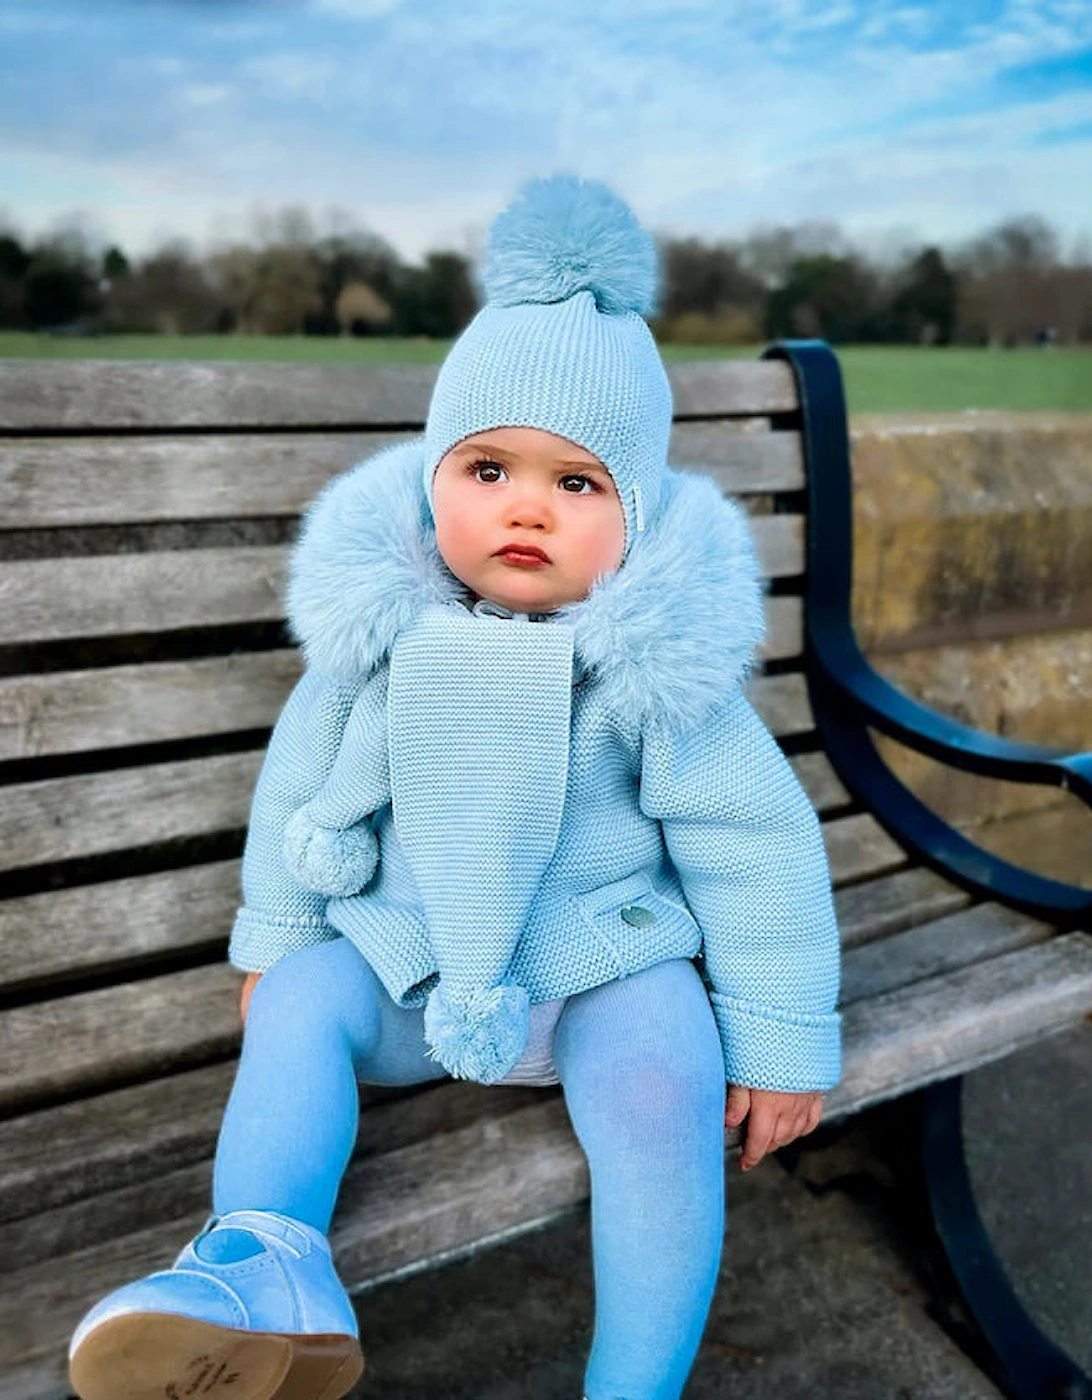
(32, 22)
(356, 9)
(206, 94)
(292, 74)
(707, 116)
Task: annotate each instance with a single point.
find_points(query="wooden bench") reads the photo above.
(147, 515)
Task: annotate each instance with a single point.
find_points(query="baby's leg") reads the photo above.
(643, 1075)
(319, 1021)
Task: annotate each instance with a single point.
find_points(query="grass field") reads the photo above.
(879, 379)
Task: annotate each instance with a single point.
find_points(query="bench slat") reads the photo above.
(110, 595)
(488, 1177)
(895, 902)
(958, 940)
(858, 847)
(47, 395)
(111, 1141)
(66, 1218)
(43, 481)
(95, 1040)
(782, 703)
(819, 780)
(493, 1177)
(113, 924)
(57, 1155)
(114, 1141)
(946, 1025)
(116, 706)
(110, 925)
(92, 814)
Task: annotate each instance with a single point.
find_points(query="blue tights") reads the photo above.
(643, 1077)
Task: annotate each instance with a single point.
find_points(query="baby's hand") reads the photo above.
(244, 998)
(775, 1119)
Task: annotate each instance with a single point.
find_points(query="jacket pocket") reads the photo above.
(639, 925)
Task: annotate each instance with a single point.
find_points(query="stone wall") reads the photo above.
(973, 592)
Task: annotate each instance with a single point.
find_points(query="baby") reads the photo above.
(516, 823)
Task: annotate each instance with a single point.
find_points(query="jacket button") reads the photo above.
(638, 915)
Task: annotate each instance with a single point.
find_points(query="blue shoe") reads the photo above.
(251, 1309)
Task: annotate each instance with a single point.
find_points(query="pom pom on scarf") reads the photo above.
(480, 1034)
(328, 860)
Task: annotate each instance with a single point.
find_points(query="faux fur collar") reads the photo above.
(666, 636)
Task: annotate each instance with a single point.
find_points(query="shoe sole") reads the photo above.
(164, 1356)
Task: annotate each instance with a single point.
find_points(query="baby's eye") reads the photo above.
(585, 479)
(477, 467)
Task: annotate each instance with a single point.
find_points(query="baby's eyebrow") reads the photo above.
(468, 447)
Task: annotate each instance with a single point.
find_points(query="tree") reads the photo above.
(437, 300)
(360, 310)
(924, 307)
(169, 293)
(835, 298)
(267, 291)
(14, 261)
(14, 258)
(1009, 287)
(57, 289)
(768, 252)
(115, 263)
(1020, 245)
(354, 256)
(699, 277)
(285, 289)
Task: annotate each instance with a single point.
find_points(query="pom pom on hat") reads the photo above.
(563, 235)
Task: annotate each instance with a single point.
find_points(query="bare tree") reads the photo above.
(269, 291)
(291, 225)
(359, 306)
(168, 292)
(769, 251)
(1015, 288)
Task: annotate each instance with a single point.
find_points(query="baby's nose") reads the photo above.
(531, 509)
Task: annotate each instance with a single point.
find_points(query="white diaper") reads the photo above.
(536, 1064)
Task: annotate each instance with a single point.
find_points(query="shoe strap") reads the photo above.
(268, 1223)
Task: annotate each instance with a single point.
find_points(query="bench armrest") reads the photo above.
(848, 696)
(879, 703)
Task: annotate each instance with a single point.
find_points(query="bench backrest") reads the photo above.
(148, 511)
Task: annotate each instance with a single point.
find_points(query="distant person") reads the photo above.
(516, 823)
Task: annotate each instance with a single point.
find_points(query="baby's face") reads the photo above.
(524, 486)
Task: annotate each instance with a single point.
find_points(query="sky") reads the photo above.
(417, 120)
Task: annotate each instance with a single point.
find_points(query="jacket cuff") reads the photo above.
(259, 940)
(778, 1049)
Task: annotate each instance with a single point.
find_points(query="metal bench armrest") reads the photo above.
(881, 704)
(848, 696)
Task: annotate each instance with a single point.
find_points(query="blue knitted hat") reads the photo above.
(561, 343)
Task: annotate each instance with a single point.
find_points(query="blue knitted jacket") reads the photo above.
(499, 809)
